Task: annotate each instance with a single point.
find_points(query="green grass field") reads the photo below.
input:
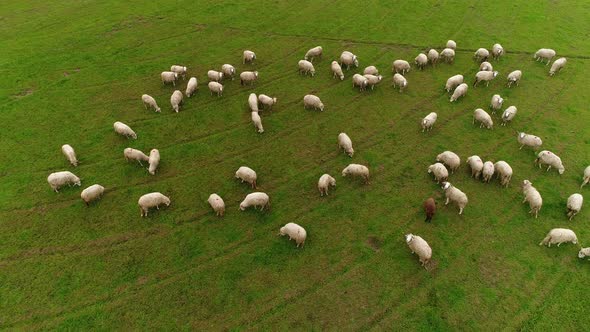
(72, 68)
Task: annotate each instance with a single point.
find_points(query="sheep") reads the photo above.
(58, 179)
(180, 70)
(574, 205)
(450, 159)
(257, 121)
(476, 164)
(486, 66)
(399, 80)
(360, 81)
(532, 141)
(151, 102)
(559, 236)
(586, 178)
(448, 54)
(214, 76)
(306, 67)
(295, 232)
(544, 54)
(432, 56)
(125, 130)
(337, 70)
(454, 194)
(508, 114)
(92, 193)
(191, 86)
(345, 143)
(497, 51)
(153, 161)
(215, 87)
(421, 60)
(253, 102)
(373, 80)
(357, 170)
(248, 56)
(324, 183)
(439, 171)
(549, 158)
(453, 82)
(247, 174)
(348, 59)
(486, 76)
(487, 171)
(228, 71)
(255, 199)
(70, 154)
(428, 121)
(135, 154)
(584, 252)
(420, 247)
(483, 117)
(248, 77)
(217, 204)
(267, 101)
(496, 103)
(504, 172)
(532, 196)
(460, 91)
(176, 100)
(557, 66)
(313, 101)
(429, 209)
(514, 77)
(169, 77)
(481, 54)
(151, 200)
(313, 52)
(371, 70)
(451, 44)
(401, 66)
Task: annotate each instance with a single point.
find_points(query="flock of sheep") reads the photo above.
(370, 78)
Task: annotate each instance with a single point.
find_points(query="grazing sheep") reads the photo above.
(253, 102)
(574, 205)
(58, 179)
(514, 77)
(214, 75)
(421, 60)
(420, 247)
(399, 80)
(532, 195)
(448, 54)
(169, 77)
(92, 193)
(191, 86)
(460, 91)
(247, 174)
(486, 66)
(151, 200)
(496, 103)
(483, 117)
(348, 59)
(429, 209)
(451, 44)
(439, 171)
(454, 194)
(544, 54)
(450, 159)
(70, 154)
(559, 236)
(228, 71)
(345, 143)
(150, 101)
(357, 170)
(487, 171)
(256, 199)
(486, 76)
(248, 77)
(267, 101)
(248, 56)
(360, 81)
(257, 121)
(371, 70)
(306, 67)
(295, 232)
(549, 158)
(508, 115)
(432, 56)
(125, 130)
(215, 87)
(453, 82)
(313, 52)
(401, 66)
(476, 164)
(324, 183)
(314, 102)
(584, 252)
(428, 121)
(504, 172)
(586, 178)
(557, 65)
(176, 100)
(337, 70)
(154, 161)
(481, 54)
(497, 51)
(373, 80)
(135, 154)
(217, 204)
(531, 141)
(180, 70)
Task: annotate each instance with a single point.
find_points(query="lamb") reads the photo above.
(371, 70)
(453, 82)
(191, 86)
(454, 194)
(337, 70)
(267, 101)
(153, 161)
(92, 193)
(215, 87)
(450, 159)
(217, 204)
(257, 121)
(401, 66)
(531, 141)
(559, 236)
(451, 44)
(70, 154)
(429, 209)
(345, 143)
(432, 56)
(486, 66)
(228, 71)
(549, 158)
(247, 174)
(421, 60)
(324, 183)
(348, 59)
(313, 101)
(496, 103)
(125, 130)
(476, 165)
(248, 56)
(248, 77)
(58, 179)
(176, 100)
(256, 199)
(169, 77)
(487, 171)
(532, 195)
(497, 51)
(439, 171)
(215, 76)
(357, 170)
(481, 54)
(514, 77)
(306, 67)
(180, 70)
(253, 102)
(313, 52)
(486, 76)
(574, 205)
(360, 81)
(428, 121)
(508, 114)
(448, 54)
(584, 252)
(151, 200)
(399, 80)
(373, 80)
(483, 117)
(504, 172)
(295, 232)
(135, 154)
(544, 54)
(586, 178)
(420, 247)
(150, 101)
(557, 65)
(460, 91)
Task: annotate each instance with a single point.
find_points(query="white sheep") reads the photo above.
(399, 80)
(295, 232)
(586, 178)
(214, 75)
(337, 70)
(432, 56)
(496, 103)
(574, 205)
(486, 66)
(345, 143)
(313, 101)
(191, 86)
(134, 154)
(248, 56)
(348, 59)
(247, 174)
(215, 87)
(487, 171)
(451, 44)
(584, 252)
(421, 60)
(228, 71)
(248, 77)
(448, 54)
(357, 170)
(151, 200)
(257, 121)
(324, 183)
(453, 82)
(92, 193)
(267, 101)
(450, 159)
(217, 204)
(176, 100)
(255, 199)
(508, 114)
(552, 160)
(401, 66)
(559, 236)
(373, 80)
(514, 77)
(454, 194)
(439, 171)
(306, 67)
(532, 196)
(149, 101)
(483, 117)
(544, 54)
(70, 154)
(497, 51)
(476, 164)
(314, 52)
(125, 130)
(557, 66)
(529, 140)
(419, 247)
(153, 161)
(169, 77)
(481, 54)
(180, 70)
(371, 70)
(504, 172)
(486, 76)
(460, 91)
(253, 102)
(428, 121)
(58, 179)
(360, 81)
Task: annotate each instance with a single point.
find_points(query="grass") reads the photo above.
(71, 69)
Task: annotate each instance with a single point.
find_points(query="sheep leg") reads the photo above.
(548, 168)
(447, 202)
(460, 210)
(521, 147)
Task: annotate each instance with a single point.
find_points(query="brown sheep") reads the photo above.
(429, 208)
